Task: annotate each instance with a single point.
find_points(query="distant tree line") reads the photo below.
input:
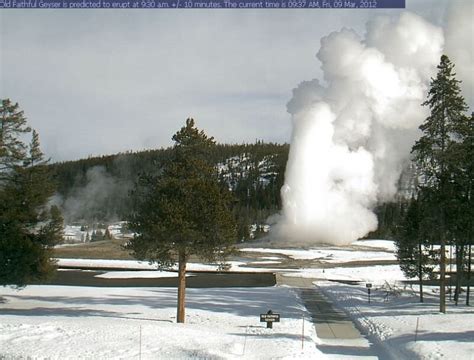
(253, 172)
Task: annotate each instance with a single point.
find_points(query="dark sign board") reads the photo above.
(269, 317)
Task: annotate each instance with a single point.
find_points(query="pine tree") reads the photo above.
(469, 146)
(411, 244)
(12, 127)
(462, 158)
(29, 228)
(434, 157)
(183, 211)
(35, 156)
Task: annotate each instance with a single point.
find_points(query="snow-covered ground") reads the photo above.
(327, 255)
(382, 244)
(62, 322)
(78, 234)
(143, 265)
(376, 274)
(392, 322)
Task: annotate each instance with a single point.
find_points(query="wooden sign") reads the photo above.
(269, 317)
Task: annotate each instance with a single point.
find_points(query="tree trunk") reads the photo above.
(420, 270)
(181, 286)
(442, 276)
(468, 274)
(450, 271)
(459, 271)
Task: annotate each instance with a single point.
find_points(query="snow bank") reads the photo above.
(103, 263)
(391, 321)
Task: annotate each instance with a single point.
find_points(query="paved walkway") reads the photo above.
(338, 334)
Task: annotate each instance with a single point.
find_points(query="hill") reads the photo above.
(94, 192)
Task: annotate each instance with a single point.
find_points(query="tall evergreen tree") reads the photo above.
(12, 126)
(462, 156)
(183, 211)
(434, 158)
(28, 226)
(35, 156)
(411, 243)
(469, 144)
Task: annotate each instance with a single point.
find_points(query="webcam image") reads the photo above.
(236, 179)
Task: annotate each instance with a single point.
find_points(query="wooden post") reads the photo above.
(302, 335)
(450, 271)
(468, 274)
(181, 286)
(459, 272)
(416, 330)
(368, 286)
(245, 340)
(420, 269)
(140, 353)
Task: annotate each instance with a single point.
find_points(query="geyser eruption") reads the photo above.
(353, 132)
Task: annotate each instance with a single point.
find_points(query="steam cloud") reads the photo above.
(94, 200)
(353, 132)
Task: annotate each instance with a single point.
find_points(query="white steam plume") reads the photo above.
(352, 134)
(460, 44)
(95, 200)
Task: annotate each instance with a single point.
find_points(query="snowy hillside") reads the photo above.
(244, 166)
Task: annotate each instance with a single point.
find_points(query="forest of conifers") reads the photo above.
(97, 189)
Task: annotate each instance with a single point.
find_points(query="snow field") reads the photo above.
(327, 255)
(62, 322)
(376, 274)
(391, 322)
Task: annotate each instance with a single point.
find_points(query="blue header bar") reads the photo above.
(202, 4)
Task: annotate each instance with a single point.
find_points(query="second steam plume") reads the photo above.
(352, 131)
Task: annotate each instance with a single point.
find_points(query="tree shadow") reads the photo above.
(247, 302)
(73, 312)
(463, 336)
(275, 334)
